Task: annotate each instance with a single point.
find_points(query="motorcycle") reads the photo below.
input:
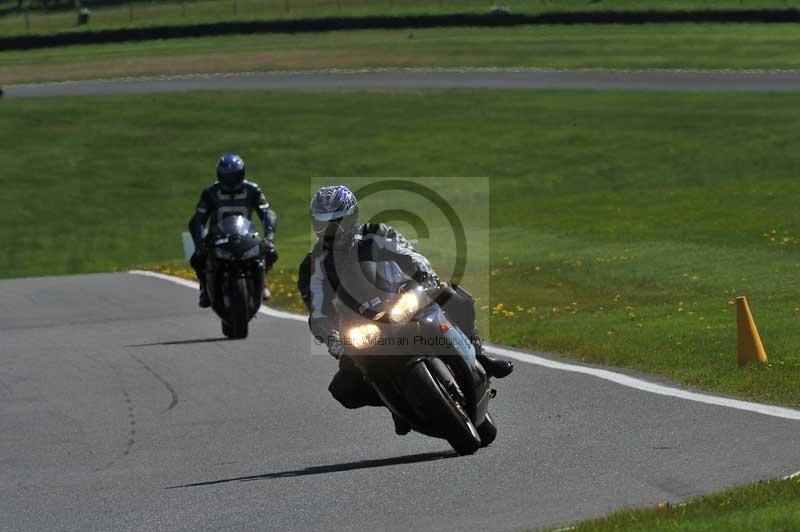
(235, 273)
(416, 358)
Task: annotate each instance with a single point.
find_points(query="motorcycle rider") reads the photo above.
(334, 215)
(230, 195)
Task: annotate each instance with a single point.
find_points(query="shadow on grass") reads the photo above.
(333, 468)
(183, 342)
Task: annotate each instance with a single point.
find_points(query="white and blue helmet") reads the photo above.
(334, 210)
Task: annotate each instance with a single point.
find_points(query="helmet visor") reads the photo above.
(330, 227)
(231, 182)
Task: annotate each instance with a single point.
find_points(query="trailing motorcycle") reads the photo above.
(417, 359)
(235, 273)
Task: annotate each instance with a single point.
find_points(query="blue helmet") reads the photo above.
(230, 172)
(334, 211)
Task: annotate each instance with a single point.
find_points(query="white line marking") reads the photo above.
(651, 387)
(193, 284)
(618, 378)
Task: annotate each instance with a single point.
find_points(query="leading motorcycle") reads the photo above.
(416, 358)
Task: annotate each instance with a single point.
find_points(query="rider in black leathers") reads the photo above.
(334, 213)
(231, 194)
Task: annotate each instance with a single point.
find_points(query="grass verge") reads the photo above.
(736, 46)
(623, 224)
(773, 505)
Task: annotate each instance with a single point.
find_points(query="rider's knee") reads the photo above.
(198, 262)
(345, 388)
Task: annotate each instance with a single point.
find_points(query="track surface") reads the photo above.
(661, 80)
(122, 409)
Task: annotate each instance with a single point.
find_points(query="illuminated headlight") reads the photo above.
(363, 335)
(406, 306)
(252, 252)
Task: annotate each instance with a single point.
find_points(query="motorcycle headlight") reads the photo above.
(406, 306)
(223, 254)
(363, 335)
(252, 252)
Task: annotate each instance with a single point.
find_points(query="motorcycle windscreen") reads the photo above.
(235, 225)
(369, 288)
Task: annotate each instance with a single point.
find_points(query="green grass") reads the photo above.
(655, 46)
(623, 224)
(144, 13)
(771, 506)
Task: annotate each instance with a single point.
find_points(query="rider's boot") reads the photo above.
(494, 366)
(204, 301)
(401, 426)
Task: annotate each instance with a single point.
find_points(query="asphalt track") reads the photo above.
(488, 78)
(121, 408)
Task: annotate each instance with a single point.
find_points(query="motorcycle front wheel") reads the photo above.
(238, 313)
(431, 401)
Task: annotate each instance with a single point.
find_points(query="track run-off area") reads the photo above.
(124, 407)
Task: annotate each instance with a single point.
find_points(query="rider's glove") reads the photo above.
(427, 281)
(335, 346)
(270, 255)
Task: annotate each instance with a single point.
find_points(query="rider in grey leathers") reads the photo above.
(334, 215)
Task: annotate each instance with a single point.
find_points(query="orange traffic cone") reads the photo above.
(750, 347)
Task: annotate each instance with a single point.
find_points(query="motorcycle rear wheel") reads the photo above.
(432, 402)
(487, 430)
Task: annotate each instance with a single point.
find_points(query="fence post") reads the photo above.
(286, 5)
(183, 8)
(130, 11)
(27, 18)
(235, 8)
